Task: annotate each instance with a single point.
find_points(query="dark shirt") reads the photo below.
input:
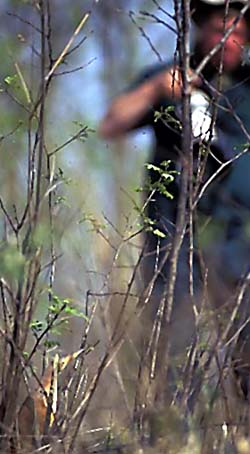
(232, 117)
(227, 201)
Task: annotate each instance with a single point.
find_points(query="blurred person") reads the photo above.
(225, 205)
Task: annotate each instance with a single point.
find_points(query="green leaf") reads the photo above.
(36, 326)
(10, 80)
(158, 232)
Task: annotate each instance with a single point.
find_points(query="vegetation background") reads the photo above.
(70, 226)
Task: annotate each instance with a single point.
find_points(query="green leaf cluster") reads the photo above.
(64, 306)
(165, 178)
(167, 115)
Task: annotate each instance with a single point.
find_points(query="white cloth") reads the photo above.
(201, 116)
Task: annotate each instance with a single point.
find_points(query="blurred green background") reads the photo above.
(97, 195)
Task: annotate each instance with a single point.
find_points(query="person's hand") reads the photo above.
(170, 82)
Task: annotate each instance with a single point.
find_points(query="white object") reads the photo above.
(201, 116)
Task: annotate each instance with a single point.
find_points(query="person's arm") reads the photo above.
(127, 110)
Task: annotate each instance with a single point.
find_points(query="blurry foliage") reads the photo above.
(12, 262)
(82, 211)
